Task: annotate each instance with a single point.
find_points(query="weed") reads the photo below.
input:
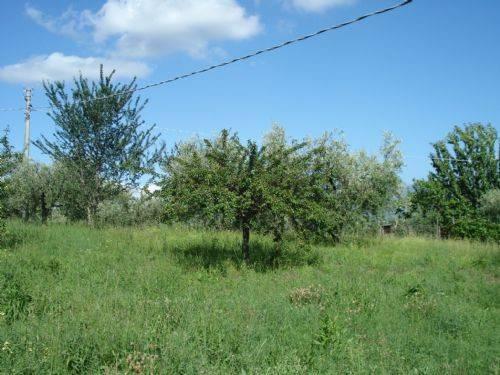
(418, 301)
(140, 363)
(307, 295)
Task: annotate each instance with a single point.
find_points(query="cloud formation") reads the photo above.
(70, 23)
(134, 29)
(318, 5)
(145, 28)
(58, 66)
(157, 27)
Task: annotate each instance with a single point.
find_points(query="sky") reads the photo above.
(416, 72)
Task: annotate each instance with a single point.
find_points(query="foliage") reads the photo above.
(476, 228)
(466, 163)
(228, 185)
(350, 193)
(466, 166)
(317, 188)
(125, 209)
(8, 161)
(125, 300)
(99, 139)
(34, 190)
(490, 205)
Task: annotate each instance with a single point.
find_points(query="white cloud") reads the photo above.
(70, 23)
(58, 66)
(156, 27)
(318, 5)
(132, 29)
(143, 28)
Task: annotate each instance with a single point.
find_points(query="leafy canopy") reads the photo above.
(313, 188)
(466, 166)
(101, 138)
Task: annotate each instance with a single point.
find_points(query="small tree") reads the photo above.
(349, 192)
(100, 138)
(226, 184)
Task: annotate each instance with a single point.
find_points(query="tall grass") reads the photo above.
(170, 300)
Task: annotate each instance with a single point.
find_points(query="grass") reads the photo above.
(165, 300)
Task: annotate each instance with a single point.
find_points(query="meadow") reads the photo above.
(178, 301)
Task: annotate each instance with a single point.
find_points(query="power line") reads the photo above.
(11, 109)
(187, 132)
(253, 54)
(440, 159)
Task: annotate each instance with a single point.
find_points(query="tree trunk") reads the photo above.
(43, 208)
(26, 213)
(245, 245)
(91, 214)
(438, 229)
(278, 240)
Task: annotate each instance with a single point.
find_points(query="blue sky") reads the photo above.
(416, 72)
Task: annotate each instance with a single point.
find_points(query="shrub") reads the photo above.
(490, 205)
(125, 210)
(477, 229)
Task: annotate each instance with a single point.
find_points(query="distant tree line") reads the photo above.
(314, 189)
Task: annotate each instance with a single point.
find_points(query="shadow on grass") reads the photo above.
(210, 251)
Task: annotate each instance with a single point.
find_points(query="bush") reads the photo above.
(57, 217)
(125, 210)
(476, 229)
(490, 205)
(113, 213)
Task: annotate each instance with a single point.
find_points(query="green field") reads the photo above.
(170, 300)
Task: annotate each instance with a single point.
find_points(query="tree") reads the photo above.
(315, 188)
(349, 193)
(101, 139)
(34, 190)
(465, 165)
(225, 184)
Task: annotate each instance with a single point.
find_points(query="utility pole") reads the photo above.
(27, 117)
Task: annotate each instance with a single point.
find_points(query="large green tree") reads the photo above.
(101, 139)
(466, 166)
